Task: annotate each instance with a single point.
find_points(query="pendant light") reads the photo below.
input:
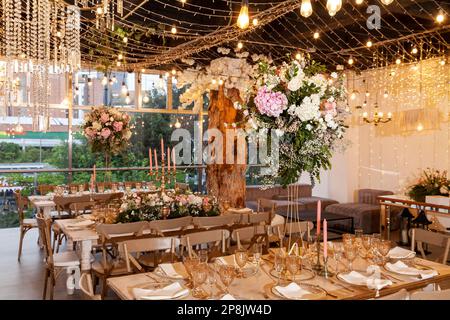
(387, 2)
(243, 19)
(333, 6)
(306, 8)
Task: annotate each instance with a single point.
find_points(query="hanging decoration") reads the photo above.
(39, 38)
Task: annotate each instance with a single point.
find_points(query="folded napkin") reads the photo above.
(400, 253)
(170, 271)
(172, 291)
(227, 297)
(292, 291)
(80, 224)
(372, 282)
(401, 268)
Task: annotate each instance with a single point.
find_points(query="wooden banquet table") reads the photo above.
(256, 287)
(402, 201)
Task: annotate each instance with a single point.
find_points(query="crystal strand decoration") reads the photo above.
(120, 7)
(73, 38)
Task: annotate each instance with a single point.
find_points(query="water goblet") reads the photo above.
(359, 233)
(81, 188)
(199, 276)
(338, 254)
(241, 257)
(293, 265)
(257, 253)
(101, 188)
(279, 265)
(227, 274)
(189, 263)
(384, 246)
(211, 280)
(350, 252)
(203, 255)
(347, 238)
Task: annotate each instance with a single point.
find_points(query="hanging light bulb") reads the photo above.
(111, 82)
(89, 82)
(183, 1)
(119, 63)
(124, 89)
(419, 127)
(298, 56)
(77, 90)
(173, 30)
(385, 94)
(174, 72)
(369, 44)
(177, 124)
(442, 62)
(316, 35)
(358, 2)
(167, 74)
(367, 93)
(220, 82)
(213, 81)
(125, 39)
(128, 99)
(306, 8)
(440, 17)
(18, 128)
(243, 19)
(387, 2)
(398, 61)
(351, 61)
(414, 50)
(333, 6)
(255, 22)
(99, 10)
(145, 99)
(240, 45)
(104, 81)
(120, 56)
(114, 78)
(353, 95)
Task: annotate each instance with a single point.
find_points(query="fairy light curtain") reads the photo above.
(41, 37)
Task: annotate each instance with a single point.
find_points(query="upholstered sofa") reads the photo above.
(365, 212)
(303, 198)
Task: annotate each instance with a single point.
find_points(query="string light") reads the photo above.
(220, 82)
(89, 82)
(385, 95)
(128, 99)
(358, 2)
(119, 63)
(243, 19)
(145, 99)
(398, 61)
(387, 2)
(298, 56)
(240, 45)
(125, 39)
(414, 50)
(174, 72)
(173, 30)
(440, 17)
(177, 124)
(369, 44)
(124, 89)
(333, 6)
(316, 35)
(104, 81)
(167, 74)
(306, 8)
(442, 62)
(350, 61)
(120, 56)
(255, 22)
(99, 10)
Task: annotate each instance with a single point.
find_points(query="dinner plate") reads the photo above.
(154, 286)
(303, 275)
(360, 284)
(179, 267)
(316, 292)
(412, 265)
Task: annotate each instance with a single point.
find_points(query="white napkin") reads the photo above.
(400, 253)
(80, 224)
(172, 291)
(169, 271)
(227, 297)
(402, 268)
(292, 291)
(373, 281)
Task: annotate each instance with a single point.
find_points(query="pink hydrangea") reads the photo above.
(270, 103)
(118, 126)
(104, 117)
(89, 132)
(105, 133)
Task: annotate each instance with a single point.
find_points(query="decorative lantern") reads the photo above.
(421, 220)
(405, 225)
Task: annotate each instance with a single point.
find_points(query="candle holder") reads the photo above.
(325, 272)
(318, 267)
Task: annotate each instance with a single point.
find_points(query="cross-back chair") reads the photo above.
(162, 227)
(25, 224)
(439, 239)
(215, 241)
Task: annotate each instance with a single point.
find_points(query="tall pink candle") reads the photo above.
(150, 159)
(95, 173)
(156, 160)
(162, 149)
(319, 209)
(325, 238)
(168, 159)
(174, 160)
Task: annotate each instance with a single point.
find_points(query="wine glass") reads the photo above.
(81, 188)
(384, 246)
(350, 252)
(338, 254)
(189, 263)
(241, 256)
(203, 255)
(367, 243)
(227, 274)
(279, 265)
(293, 265)
(211, 280)
(359, 233)
(347, 238)
(101, 188)
(257, 253)
(199, 276)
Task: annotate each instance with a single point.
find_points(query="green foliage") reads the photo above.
(431, 182)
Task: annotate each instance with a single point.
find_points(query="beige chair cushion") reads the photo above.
(118, 269)
(66, 259)
(30, 222)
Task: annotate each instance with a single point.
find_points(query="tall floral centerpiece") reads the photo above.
(302, 103)
(107, 131)
(430, 183)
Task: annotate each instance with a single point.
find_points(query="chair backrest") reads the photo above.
(78, 208)
(161, 226)
(266, 205)
(260, 218)
(216, 240)
(63, 202)
(44, 226)
(87, 287)
(22, 204)
(431, 295)
(369, 196)
(400, 295)
(209, 222)
(136, 246)
(247, 233)
(430, 237)
(300, 227)
(110, 231)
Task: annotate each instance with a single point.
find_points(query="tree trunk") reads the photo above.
(225, 181)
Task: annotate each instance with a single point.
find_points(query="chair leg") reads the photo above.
(22, 234)
(53, 282)
(44, 295)
(104, 288)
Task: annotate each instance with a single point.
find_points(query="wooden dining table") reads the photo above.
(258, 286)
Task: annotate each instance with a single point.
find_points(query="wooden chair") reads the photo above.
(25, 223)
(106, 197)
(57, 262)
(251, 235)
(211, 222)
(260, 218)
(267, 205)
(300, 228)
(111, 265)
(421, 236)
(401, 295)
(433, 295)
(216, 242)
(79, 208)
(160, 227)
(87, 287)
(43, 189)
(161, 249)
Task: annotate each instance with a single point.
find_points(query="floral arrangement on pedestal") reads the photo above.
(151, 206)
(303, 105)
(107, 130)
(431, 182)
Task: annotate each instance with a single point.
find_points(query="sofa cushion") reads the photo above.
(369, 196)
(365, 216)
(310, 203)
(253, 193)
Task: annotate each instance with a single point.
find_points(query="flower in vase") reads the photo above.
(104, 117)
(105, 133)
(118, 126)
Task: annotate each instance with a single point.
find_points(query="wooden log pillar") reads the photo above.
(225, 181)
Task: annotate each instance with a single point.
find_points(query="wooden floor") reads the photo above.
(24, 280)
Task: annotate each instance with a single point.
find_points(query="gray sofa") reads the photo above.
(365, 212)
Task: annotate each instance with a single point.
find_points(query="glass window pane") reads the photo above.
(153, 91)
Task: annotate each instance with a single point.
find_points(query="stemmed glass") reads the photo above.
(279, 265)
(199, 276)
(384, 246)
(241, 256)
(203, 255)
(227, 274)
(338, 254)
(257, 253)
(211, 278)
(350, 252)
(293, 265)
(189, 264)
(367, 243)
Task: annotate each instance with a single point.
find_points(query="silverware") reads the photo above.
(391, 277)
(341, 285)
(327, 293)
